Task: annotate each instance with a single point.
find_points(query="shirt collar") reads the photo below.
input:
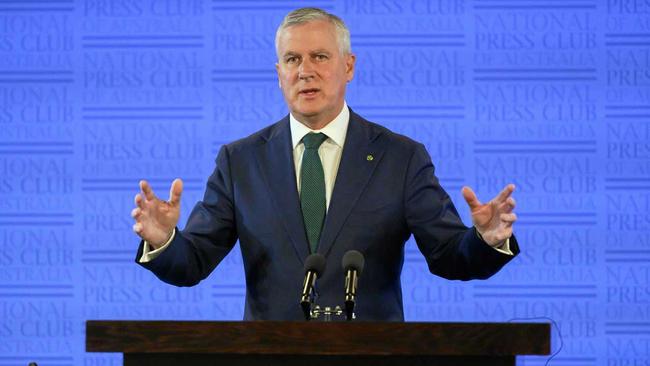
(335, 130)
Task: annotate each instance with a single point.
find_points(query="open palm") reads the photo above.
(494, 219)
(155, 219)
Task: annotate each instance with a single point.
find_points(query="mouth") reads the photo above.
(309, 92)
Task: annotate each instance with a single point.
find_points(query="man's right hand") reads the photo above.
(155, 219)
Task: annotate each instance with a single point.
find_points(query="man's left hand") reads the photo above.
(493, 220)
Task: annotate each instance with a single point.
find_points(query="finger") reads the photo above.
(505, 193)
(146, 190)
(507, 225)
(139, 201)
(507, 206)
(175, 192)
(470, 198)
(503, 234)
(136, 212)
(508, 217)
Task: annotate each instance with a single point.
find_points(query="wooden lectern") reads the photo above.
(163, 343)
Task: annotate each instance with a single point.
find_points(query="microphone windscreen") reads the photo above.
(353, 260)
(316, 263)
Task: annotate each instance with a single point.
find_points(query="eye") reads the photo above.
(291, 59)
(321, 57)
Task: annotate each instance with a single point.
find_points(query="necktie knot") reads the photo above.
(313, 140)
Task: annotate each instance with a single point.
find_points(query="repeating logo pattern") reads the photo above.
(553, 96)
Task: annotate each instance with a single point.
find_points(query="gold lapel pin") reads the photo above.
(369, 157)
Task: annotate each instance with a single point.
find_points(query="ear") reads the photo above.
(350, 59)
(277, 70)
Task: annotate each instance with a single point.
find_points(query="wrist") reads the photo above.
(498, 244)
(165, 241)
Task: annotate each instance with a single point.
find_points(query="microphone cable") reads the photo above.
(559, 333)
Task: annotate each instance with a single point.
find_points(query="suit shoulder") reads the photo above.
(391, 138)
(255, 138)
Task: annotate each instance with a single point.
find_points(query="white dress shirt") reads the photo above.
(329, 151)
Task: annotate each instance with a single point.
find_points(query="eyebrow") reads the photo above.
(292, 53)
(319, 51)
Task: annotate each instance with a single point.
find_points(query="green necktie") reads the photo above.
(312, 188)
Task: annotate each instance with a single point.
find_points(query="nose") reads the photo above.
(306, 70)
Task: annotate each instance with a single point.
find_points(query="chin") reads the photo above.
(309, 112)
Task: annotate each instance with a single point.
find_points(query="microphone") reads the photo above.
(314, 268)
(353, 266)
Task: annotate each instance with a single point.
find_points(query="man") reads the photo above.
(322, 180)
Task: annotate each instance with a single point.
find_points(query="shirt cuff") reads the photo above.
(149, 255)
(503, 248)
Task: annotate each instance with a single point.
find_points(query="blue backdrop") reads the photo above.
(552, 95)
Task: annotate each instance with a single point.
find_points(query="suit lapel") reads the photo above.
(275, 161)
(361, 154)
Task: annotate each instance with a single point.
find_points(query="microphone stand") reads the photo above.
(307, 298)
(327, 312)
(351, 279)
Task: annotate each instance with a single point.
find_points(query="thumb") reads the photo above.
(175, 192)
(470, 198)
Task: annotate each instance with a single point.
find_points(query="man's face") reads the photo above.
(313, 72)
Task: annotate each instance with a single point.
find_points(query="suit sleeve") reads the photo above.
(451, 249)
(209, 235)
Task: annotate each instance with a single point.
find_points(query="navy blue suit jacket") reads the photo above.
(376, 205)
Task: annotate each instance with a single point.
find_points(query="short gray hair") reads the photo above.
(305, 15)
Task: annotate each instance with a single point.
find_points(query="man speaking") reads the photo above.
(321, 180)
